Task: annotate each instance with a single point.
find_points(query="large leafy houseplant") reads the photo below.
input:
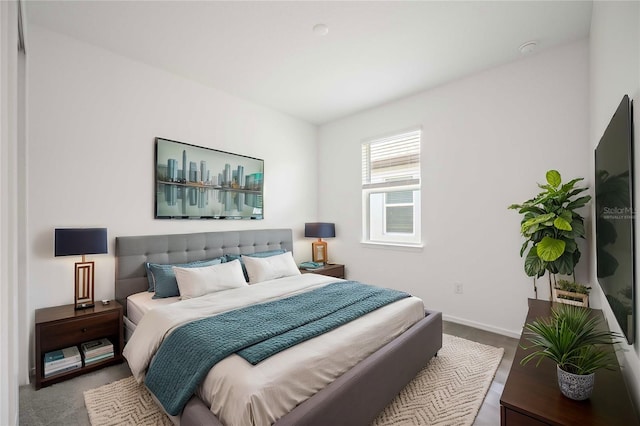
(573, 339)
(551, 226)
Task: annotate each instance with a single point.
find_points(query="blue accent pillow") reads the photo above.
(268, 253)
(195, 263)
(162, 280)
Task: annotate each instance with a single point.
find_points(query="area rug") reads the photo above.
(449, 390)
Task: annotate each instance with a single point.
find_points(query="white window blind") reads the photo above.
(391, 161)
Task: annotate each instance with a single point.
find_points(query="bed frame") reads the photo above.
(355, 398)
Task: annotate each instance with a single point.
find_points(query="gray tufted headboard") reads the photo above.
(133, 252)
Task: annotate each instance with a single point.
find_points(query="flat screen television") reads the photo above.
(194, 182)
(615, 217)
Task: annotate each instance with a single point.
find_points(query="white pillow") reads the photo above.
(194, 282)
(269, 268)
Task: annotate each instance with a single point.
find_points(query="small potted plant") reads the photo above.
(571, 293)
(571, 338)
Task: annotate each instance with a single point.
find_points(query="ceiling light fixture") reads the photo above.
(320, 30)
(528, 47)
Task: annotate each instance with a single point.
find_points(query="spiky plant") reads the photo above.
(572, 339)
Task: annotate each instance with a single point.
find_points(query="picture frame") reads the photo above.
(195, 182)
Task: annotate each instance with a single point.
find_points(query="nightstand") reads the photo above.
(60, 327)
(330, 269)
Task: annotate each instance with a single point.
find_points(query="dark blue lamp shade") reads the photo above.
(80, 241)
(320, 230)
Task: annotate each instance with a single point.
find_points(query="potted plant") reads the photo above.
(571, 293)
(551, 226)
(572, 339)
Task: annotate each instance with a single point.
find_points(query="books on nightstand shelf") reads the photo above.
(62, 360)
(96, 351)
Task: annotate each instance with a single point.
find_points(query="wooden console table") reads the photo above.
(531, 396)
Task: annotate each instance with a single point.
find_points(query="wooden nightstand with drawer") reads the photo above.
(60, 327)
(330, 269)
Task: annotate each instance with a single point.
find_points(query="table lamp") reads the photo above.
(319, 230)
(80, 242)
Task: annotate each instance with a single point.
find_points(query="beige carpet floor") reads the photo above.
(449, 391)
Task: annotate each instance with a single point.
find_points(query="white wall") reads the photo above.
(11, 101)
(487, 140)
(615, 71)
(93, 117)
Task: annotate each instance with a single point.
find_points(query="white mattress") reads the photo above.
(140, 303)
(242, 394)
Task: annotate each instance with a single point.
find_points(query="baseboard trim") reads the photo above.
(481, 326)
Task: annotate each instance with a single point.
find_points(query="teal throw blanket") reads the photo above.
(255, 332)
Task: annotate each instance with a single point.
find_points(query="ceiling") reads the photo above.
(266, 52)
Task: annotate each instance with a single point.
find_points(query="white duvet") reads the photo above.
(241, 394)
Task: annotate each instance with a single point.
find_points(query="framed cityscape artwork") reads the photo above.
(194, 182)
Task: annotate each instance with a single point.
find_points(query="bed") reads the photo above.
(355, 397)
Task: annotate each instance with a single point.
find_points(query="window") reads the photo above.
(391, 189)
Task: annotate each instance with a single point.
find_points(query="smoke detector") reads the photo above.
(320, 30)
(528, 47)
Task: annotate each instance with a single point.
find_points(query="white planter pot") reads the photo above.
(574, 386)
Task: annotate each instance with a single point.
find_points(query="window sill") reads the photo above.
(393, 246)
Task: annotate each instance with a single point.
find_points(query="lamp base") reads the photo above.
(319, 251)
(84, 284)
